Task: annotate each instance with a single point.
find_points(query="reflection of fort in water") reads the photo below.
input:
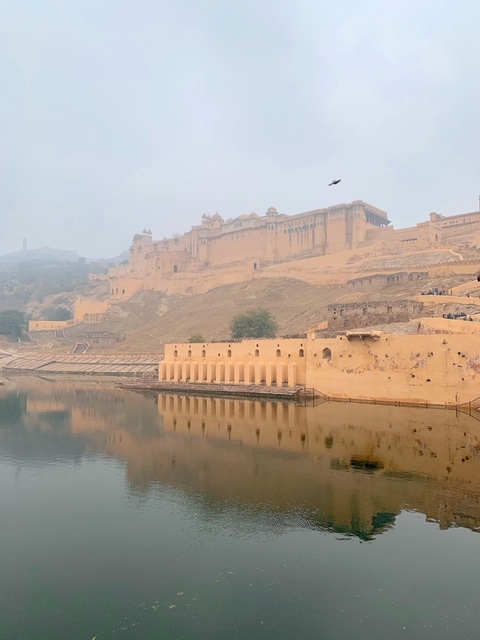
(347, 467)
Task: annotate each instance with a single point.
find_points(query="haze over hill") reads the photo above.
(47, 254)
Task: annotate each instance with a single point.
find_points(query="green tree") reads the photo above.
(57, 313)
(256, 323)
(197, 338)
(12, 323)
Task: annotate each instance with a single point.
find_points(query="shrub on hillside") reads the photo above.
(12, 323)
(257, 323)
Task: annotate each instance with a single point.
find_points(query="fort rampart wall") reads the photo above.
(346, 316)
(419, 369)
(49, 325)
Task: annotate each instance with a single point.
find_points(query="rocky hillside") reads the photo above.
(151, 319)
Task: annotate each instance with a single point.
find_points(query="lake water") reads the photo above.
(124, 516)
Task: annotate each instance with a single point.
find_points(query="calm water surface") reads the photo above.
(173, 517)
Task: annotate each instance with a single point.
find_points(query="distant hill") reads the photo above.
(43, 254)
(116, 260)
(49, 255)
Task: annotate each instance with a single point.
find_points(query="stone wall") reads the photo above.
(380, 280)
(48, 325)
(427, 369)
(90, 310)
(352, 315)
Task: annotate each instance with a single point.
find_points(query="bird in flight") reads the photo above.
(335, 182)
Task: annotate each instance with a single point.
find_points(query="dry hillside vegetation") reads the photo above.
(151, 319)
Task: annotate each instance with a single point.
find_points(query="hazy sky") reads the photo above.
(117, 115)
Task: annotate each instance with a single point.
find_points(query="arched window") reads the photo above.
(203, 353)
(229, 353)
(301, 353)
(175, 268)
(257, 353)
(175, 353)
(189, 353)
(326, 354)
(279, 353)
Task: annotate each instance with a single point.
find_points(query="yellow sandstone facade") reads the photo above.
(219, 252)
(349, 244)
(425, 369)
(85, 310)
(237, 248)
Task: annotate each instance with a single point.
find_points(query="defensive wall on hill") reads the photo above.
(341, 317)
(379, 281)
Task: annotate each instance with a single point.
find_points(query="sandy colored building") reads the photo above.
(218, 252)
(349, 244)
(422, 369)
(246, 243)
(85, 310)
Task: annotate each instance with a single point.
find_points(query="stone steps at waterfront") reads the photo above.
(123, 365)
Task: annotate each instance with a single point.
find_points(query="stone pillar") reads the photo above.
(177, 371)
(211, 372)
(203, 372)
(220, 372)
(170, 371)
(239, 373)
(259, 373)
(281, 377)
(186, 372)
(162, 371)
(249, 373)
(270, 374)
(292, 374)
(229, 373)
(194, 372)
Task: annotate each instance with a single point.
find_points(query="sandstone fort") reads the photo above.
(219, 251)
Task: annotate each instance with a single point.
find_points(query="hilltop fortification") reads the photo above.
(218, 251)
(231, 250)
